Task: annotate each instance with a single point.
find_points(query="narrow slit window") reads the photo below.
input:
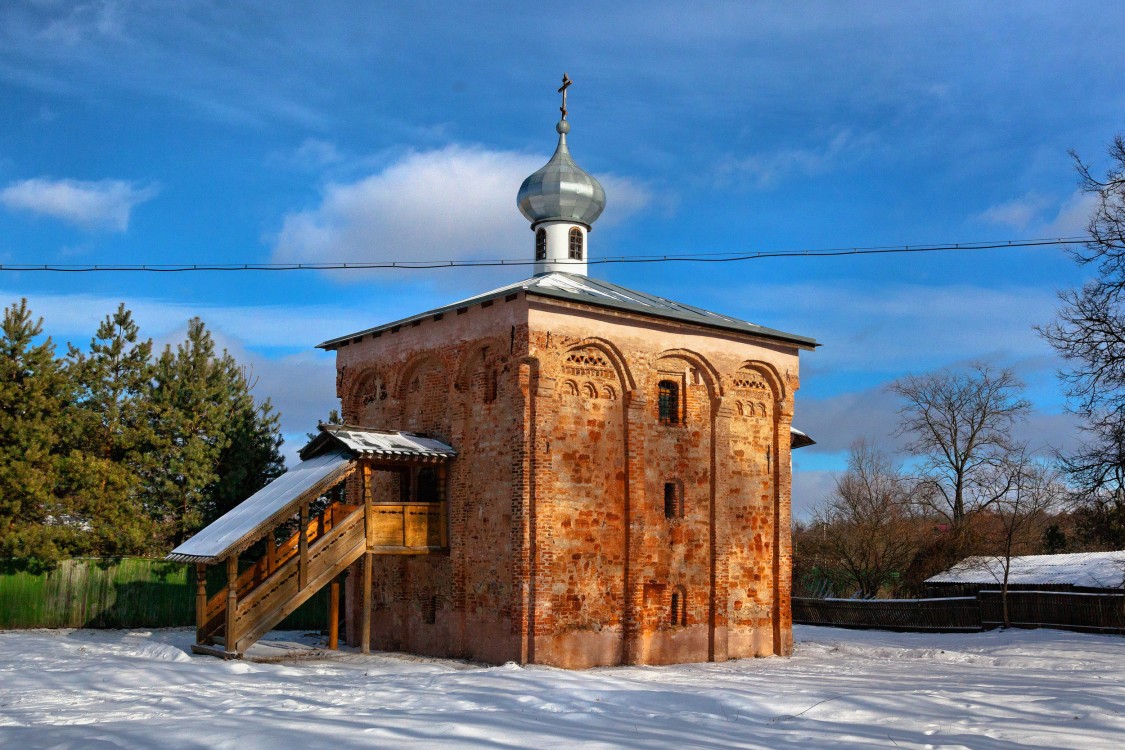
(541, 244)
(490, 385)
(576, 243)
(678, 615)
(673, 501)
(668, 402)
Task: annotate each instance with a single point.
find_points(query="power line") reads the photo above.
(727, 257)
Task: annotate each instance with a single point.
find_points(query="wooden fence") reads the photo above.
(1098, 613)
(128, 592)
(956, 614)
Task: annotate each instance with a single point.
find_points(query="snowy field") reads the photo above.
(94, 690)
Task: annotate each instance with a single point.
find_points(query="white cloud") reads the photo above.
(453, 203)
(1017, 213)
(1042, 216)
(104, 204)
(83, 20)
(764, 169)
(1071, 218)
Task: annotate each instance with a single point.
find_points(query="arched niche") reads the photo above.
(423, 393)
(366, 394)
(478, 371)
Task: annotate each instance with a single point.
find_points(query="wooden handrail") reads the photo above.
(262, 570)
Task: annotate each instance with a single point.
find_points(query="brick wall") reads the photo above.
(561, 551)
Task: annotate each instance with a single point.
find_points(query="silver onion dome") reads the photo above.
(561, 190)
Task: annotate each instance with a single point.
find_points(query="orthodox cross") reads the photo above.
(562, 90)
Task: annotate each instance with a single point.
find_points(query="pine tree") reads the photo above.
(216, 445)
(110, 437)
(252, 457)
(34, 523)
(189, 414)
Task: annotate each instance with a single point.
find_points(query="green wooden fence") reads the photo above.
(127, 592)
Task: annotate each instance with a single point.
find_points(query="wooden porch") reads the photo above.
(257, 598)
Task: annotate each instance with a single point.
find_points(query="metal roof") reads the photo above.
(252, 518)
(1099, 570)
(590, 291)
(367, 442)
(798, 439)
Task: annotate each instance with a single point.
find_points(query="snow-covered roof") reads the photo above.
(577, 288)
(1102, 570)
(249, 520)
(798, 439)
(326, 460)
(364, 441)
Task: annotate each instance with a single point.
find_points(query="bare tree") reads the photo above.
(1090, 335)
(869, 531)
(1020, 513)
(960, 422)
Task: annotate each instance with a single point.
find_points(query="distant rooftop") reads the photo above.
(1099, 570)
(575, 288)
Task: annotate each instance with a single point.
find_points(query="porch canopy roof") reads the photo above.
(326, 461)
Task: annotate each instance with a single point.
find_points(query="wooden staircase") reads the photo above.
(290, 573)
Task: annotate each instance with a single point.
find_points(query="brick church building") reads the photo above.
(611, 483)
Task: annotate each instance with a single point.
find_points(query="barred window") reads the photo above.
(668, 402)
(541, 245)
(575, 243)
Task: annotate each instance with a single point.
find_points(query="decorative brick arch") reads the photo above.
(710, 375)
(412, 366)
(355, 385)
(613, 357)
(468, 360)
(767, 372)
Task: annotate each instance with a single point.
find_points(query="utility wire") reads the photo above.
(728, 257)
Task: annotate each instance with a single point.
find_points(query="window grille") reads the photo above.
(668, 402)
(541, 245)
(575, 243)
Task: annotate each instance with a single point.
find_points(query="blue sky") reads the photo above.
(256, 132)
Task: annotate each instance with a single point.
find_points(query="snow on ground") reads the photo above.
(95, 690)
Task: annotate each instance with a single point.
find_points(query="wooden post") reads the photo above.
(271, 553)
(200, 601)
(369, 530)
(303, 547)
(334, 614)
(365, 625)
(443, 508)
(229, 635)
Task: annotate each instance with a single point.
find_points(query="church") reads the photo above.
(560, 471)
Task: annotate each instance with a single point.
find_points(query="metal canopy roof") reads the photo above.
(798, 439)
(326, 461)
(371, 443)
(590, 291)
